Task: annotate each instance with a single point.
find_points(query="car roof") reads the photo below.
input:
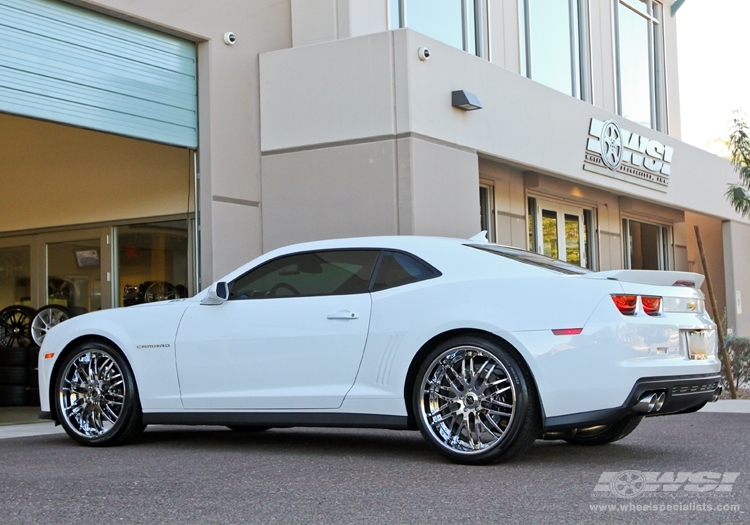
(449, 255)
(396, 242)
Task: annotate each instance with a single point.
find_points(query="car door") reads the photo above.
(291, 335)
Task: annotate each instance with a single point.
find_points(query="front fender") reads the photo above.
(145, 336)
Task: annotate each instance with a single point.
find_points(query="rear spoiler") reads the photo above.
(655, 277)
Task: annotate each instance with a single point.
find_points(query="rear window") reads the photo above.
(398, 269)
(531, 258)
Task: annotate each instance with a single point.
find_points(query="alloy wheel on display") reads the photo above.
(15, 326)
(46, 318)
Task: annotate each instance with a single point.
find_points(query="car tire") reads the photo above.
(474, 403)
(13, 356)
(247, 428)
(96, 397)
(13, 396)
(14, 376)
(608, 434)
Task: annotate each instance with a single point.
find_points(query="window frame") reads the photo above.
(665, 243)
(398, 19)
(381, 252)
(580, 45)
(487, 209)
(589, 240)
(656, 59)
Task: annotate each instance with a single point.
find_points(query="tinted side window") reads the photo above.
(306, 274)
(398, 269)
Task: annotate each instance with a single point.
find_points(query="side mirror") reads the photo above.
(217, 294)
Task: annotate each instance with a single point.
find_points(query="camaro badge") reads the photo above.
(167, 345)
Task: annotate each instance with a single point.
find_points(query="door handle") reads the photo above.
(343, 314)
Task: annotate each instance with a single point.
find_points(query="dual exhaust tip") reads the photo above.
(654, 401)
(717, 394)
(650, 402)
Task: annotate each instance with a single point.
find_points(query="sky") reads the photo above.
(714, 79)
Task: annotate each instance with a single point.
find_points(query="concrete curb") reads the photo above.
(728, 406)
(30, 429)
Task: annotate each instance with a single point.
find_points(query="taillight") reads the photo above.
(628, 303)
(625, 303)
(651, 305)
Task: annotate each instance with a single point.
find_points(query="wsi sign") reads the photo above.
(634, 483)
(619, 153)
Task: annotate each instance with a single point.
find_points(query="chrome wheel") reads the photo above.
(468, 399)
(47, 317)
(474, 401)
(92, 393)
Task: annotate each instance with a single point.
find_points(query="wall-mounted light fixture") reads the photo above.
(465, 100)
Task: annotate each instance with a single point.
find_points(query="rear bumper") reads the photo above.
(682, 394)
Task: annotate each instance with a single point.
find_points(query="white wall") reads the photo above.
(736, 264)
(522, 122)
(321, 193)
(326, 93)
(54, 175)
(315, 21)
(713, 245)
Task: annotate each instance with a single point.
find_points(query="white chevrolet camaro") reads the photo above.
(484, 348)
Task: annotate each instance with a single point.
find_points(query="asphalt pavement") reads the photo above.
(692, 468)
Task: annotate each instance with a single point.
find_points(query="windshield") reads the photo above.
(534, 259)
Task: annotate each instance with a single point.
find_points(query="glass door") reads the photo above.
(15, 271)
(560, 232)
(647, 246)
(77, 270)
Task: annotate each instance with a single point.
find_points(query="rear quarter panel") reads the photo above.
(403, 319)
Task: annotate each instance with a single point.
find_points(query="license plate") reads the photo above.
(697, 345)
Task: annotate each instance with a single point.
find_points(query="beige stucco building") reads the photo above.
(324, 118)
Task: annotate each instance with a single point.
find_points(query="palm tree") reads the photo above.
(739, 147)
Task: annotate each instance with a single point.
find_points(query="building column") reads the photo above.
(737, 270)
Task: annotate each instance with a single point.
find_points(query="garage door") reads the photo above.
(66, 64)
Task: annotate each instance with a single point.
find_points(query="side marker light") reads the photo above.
(567, 331)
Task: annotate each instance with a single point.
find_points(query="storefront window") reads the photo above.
(15, 276)
(647, 246)
(561, 231)
(549, 234)
(640, 62)
(455, 22)
(74, 275)
(152, 262)
(487, 211)
(553, 44)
